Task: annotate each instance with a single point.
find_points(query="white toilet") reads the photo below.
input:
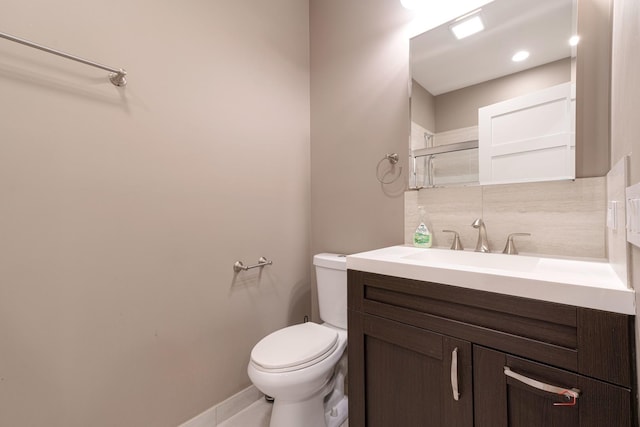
(303, 367)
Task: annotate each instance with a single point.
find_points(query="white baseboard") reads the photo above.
(225, 410)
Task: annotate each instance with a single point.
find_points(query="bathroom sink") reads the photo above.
(475, 260)
(579, 282)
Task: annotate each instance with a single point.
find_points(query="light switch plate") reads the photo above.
(633, 214)
(612, 214)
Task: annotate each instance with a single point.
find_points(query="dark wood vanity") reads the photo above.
(431, 355)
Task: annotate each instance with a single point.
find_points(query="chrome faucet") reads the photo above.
(483, 243)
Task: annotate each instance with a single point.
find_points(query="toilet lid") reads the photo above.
(294, 346)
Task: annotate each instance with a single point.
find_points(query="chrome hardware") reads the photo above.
(446, 148)
(117, 75)
(454, 374)
(430, 173)
(393, 160)
(238, 266)
(430, 153)
(483, 243)
(455, 245)
(571, 394)
(118, 79)
(510, 247)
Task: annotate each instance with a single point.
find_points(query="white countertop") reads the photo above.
(582, 283)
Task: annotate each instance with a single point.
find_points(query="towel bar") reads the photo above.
(238, 266)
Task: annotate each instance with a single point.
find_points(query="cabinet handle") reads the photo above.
(454, 374)
(571, 394)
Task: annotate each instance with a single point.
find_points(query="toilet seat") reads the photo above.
(295, 347)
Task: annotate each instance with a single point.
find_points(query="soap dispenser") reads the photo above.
(422, 237)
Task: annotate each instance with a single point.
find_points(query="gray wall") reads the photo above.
(593, 88)
(459, 108)
(625, 106)
(423, 107)
(359, 113)
(123, 210)
(625, 110)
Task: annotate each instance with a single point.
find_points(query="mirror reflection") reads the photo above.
(481, 114)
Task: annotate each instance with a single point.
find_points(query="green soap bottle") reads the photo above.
(422, 237)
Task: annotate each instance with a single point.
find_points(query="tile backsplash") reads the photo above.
(617, 238)
(565, 218)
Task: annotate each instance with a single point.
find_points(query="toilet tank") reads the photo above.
(331, 278)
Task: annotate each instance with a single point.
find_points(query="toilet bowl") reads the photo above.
(303, 367)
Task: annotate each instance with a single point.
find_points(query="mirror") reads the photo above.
(453, 79)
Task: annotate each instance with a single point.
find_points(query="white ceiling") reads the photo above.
(441, 63)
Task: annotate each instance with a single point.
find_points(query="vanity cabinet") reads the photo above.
(427, 354)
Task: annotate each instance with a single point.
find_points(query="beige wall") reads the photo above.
(359, 113)
(625, 106)
(459, 108)
(593, 80)
(123, 210)
(625, 109)
(423, 107)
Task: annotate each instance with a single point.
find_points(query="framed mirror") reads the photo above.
(480, 116)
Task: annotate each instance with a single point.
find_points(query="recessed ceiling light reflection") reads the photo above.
(574, 40)
(520, 56)
(467, 27)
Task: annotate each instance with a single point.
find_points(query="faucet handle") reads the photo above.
(510, 247)
(455, 245)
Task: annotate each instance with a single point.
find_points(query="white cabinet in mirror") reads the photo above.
(528, 138)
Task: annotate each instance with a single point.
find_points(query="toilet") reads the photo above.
(303, 367)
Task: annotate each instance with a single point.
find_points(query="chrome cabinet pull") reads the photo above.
(454, 374)
(571, 394)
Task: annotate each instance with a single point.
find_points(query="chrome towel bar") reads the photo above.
(238, 266)
(117, 76)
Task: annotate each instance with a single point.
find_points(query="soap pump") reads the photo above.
(422, 237)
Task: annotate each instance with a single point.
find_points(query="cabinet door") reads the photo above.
(415, 377)
(514, 392)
